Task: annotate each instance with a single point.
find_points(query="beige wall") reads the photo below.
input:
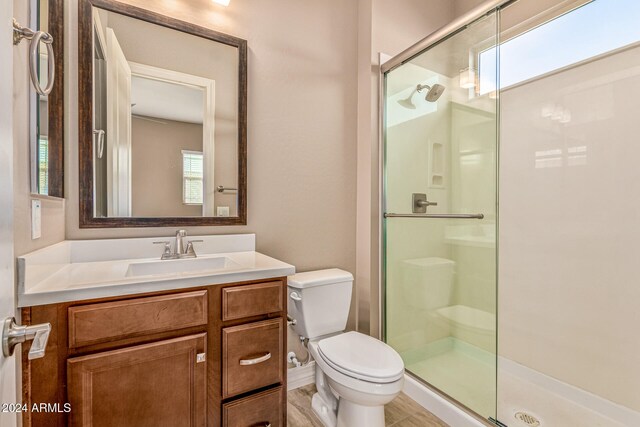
(301, 134)
(309, 66)
(53, 218)
(301, 190)
(463, 6)
(156, 166)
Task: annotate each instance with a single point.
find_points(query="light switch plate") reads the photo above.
(223, 211)
(36, 219)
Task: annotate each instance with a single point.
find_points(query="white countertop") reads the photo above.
(79, 270)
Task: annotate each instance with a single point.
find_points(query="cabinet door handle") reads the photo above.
(256, 360)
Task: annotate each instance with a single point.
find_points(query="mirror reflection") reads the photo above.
(165, 121)
(40, 155)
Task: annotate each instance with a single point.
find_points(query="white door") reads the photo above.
(8, 391)
(118, 129)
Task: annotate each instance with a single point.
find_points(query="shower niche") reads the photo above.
(436, 165)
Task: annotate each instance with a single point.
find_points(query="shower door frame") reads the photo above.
(454, 27)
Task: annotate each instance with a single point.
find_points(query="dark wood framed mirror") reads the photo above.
(47, 111)
(162, 120)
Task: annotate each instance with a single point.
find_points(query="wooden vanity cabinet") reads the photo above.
(207, 356)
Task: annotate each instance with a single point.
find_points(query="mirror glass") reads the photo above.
(40, 152)
(165, 121)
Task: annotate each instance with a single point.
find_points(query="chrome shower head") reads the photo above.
(433, 93)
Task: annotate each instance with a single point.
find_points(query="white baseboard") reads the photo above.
(299, 377)
(438, 405)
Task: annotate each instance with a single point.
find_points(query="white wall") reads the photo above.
(568, 227)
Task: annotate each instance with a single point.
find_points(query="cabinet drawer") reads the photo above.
(262, 409)
(109, 321)
(252, 300)
(252, 356)
(158, 384)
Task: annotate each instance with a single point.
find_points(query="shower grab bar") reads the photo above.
(446, 216)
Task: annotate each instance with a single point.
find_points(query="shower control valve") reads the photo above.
(420, 203)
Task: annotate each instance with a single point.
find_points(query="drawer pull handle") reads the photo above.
(256, 360)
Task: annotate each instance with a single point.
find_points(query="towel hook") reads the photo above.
(20, 33)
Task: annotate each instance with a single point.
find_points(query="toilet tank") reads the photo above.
(428, 282)
(319, 301)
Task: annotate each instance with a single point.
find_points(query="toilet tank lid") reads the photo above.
(309, 279)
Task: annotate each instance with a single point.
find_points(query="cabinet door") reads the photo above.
(157, 384)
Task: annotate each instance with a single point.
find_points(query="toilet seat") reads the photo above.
(362, 357)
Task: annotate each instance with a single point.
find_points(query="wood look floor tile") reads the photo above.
(400, 408)
(299, 412)
(402, 412)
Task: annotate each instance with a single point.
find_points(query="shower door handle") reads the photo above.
(443, 216)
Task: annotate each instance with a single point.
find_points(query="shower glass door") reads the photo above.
(440, 157)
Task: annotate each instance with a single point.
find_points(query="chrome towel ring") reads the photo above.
(20, 33)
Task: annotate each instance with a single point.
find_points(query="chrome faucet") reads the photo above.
(180, 235)
(180, 250)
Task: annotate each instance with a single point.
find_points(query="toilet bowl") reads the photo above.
(362, 371)
(356, 375)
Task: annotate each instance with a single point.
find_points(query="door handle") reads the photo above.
(13, 334)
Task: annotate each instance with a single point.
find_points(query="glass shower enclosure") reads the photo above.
(440, 214)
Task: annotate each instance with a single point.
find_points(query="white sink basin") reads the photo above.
(175, 266)
(75, 270)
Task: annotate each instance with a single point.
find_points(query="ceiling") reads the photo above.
(158, 99)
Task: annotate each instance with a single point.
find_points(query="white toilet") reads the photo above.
(356, 375)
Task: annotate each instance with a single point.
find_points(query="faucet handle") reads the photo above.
(190, 251)
(167, 248)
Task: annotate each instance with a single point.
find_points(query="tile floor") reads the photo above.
(402, 412)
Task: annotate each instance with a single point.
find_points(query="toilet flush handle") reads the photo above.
(295, 296)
